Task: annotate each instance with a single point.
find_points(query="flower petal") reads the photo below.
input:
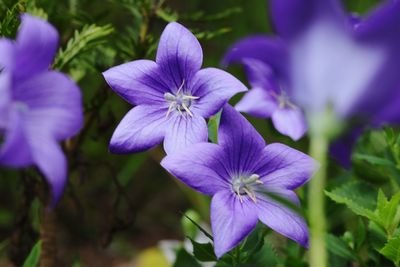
(231, 220)
(291, 17)
(183, 132)
(7, 54)
(200, 166)
(15, 151)
(242, 143)
(282, 218)
(36, 46)
(138, 82)
(290, 122)
(179, 54)
(258, 103)
(54, 102)
(142, 128)
(214, 87)
(51, 161)
(284, 167)
(269, 50)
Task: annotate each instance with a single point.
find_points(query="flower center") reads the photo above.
(284, 100)
(180, 102)
(243, 186)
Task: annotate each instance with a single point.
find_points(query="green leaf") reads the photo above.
(34, 256)
(374, 160)
(203, 251)
(360, 234)
(357, 197)
(386, 211)
(213, 124)
(184, 259)
(9, 24)
(199, 227)
(392, 250)
(90, 36)
(340, 248)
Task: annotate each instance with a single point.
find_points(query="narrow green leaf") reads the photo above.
(34, 256)
(374, 160)
(392, 250)
(338, 247)
(213, 124)
(203, 251)
(200, 228)
(386, 211)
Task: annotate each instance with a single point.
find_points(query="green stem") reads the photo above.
(316, 203)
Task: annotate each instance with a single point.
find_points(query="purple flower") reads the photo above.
(269, 97)
(38, 107)
(241, 173)
(173, 96)
(328, 60)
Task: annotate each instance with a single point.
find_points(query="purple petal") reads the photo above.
(242, 143)
(200, 166)
(142, 128)
(281, 218)
(15, 151)
(290, 122)
(269, 50)
(262, 75)
(49, 158)
(231, 220)
(7, 54)
(258, 103)
(36, 46)
(54, 103)
(183, 131)
(138, 82)
(179, 54)
(214, 88)
(291, 17)
(283, 167)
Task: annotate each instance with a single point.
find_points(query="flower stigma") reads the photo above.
(180, 101)
(246, 186)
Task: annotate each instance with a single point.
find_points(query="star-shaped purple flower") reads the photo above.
(38, 107)
(268, 97)
(173, 96)
(328, 60)
(239, 173)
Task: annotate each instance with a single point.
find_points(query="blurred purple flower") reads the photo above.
(38, 107)
(173, 95)
(329, 59)
(241, 173)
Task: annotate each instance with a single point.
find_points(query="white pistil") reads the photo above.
(246, 186)
(180, 102)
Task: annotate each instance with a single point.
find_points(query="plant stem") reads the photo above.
(316, 203)
(48, 254)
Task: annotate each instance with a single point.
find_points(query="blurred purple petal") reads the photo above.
(16, 150)
(284, 167)
(214, 88)
(231, 220)
(143, 127)
(179, 54)
(54, 103)
(36, 46)
(138, 82)
(290, 121)
(183, 132)
(258, 103)
(199, 166)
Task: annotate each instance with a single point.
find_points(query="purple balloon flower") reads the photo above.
(173, 96)
(241, 173)
(327, 60)
(38, 107)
